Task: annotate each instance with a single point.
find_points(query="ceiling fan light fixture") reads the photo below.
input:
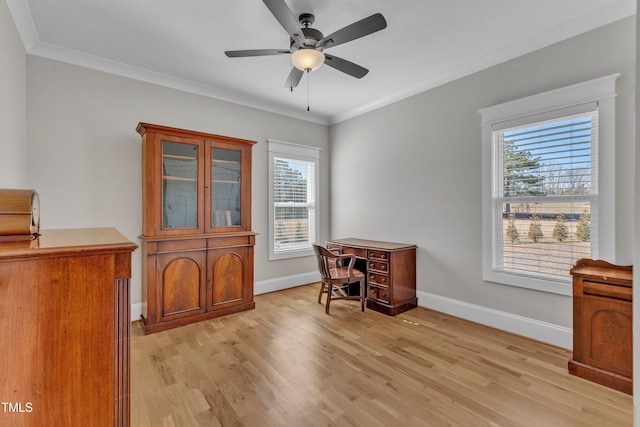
(307, 59)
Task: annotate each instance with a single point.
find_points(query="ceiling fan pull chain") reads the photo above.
(308, 84)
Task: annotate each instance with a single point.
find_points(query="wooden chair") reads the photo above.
(337, 272)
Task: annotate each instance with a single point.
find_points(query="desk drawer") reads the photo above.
(379, 279)
(379, 293)
(358, 252)
(376, 254)
(379, 266)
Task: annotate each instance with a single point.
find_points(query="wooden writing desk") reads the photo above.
(390, 269)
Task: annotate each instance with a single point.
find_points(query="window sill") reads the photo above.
(527, 282)
(290, 254)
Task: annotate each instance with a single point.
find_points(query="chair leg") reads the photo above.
(329, 292)
(363, 294)
(321, 292)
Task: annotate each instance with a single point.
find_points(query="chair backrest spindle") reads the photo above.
(323, 256)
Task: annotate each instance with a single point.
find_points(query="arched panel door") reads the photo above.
(229, 275)
(610, 323)
(183, 282)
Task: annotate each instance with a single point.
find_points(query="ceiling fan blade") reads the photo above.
(255, 52)
(285, 17)
(364, 27)
(345, 66)
(294, 78)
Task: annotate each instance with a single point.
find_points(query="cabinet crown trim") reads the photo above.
(143, 128)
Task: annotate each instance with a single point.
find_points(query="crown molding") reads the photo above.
(124, 70)
(620, 10)
(21, 14)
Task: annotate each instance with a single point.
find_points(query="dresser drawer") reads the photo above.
(376, 254)
(379, 293)
(607, 290)
(379, 266)
(379, 279)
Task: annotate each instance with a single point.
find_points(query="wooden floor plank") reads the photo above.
(287, 363)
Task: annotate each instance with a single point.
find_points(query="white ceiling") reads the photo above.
(181, 44)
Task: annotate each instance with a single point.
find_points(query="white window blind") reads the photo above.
(545, 193)
(294, 204)
(293, 172)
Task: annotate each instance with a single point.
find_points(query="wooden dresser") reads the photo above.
(390, 270)
(64, 329)
(602, 324)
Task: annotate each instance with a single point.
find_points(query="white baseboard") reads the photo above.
(137, 309)
(280, 283)
(546, 332)
(531, 328)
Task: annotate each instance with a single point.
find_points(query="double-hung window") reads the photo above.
(293, 198)
(548, 184)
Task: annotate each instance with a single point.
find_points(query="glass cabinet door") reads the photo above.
(225, 189)
(179, 185)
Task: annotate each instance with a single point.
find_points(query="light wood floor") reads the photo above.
(286, 363)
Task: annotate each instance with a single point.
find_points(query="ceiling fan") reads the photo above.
(307, 44)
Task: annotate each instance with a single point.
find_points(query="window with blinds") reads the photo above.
(293, 189)
(548, 184)
(545, 191)
(294, 204)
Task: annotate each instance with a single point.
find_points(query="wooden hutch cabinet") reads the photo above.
(602, 324)
(197, 243)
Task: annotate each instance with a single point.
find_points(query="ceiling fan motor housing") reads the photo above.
(311, 36)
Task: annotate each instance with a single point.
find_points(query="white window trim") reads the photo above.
(602, 91)
(298, 152)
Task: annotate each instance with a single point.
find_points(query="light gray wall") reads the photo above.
(13, 110)
(411, 171)
(85, 155)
